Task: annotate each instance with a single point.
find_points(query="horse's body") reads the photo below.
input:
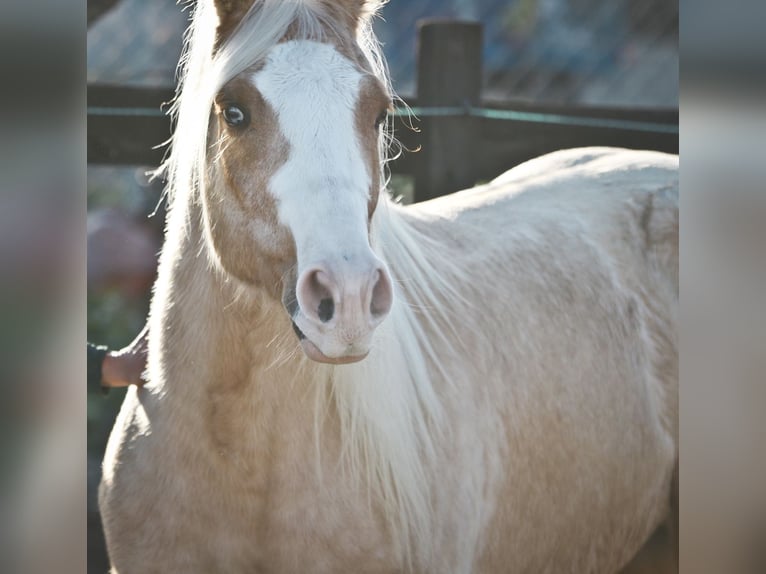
(517, 412)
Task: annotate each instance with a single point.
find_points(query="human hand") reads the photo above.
(126, 366)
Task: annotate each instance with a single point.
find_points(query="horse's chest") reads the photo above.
(267, 503)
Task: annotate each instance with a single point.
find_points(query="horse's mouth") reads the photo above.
(313, 352)
(298, 332)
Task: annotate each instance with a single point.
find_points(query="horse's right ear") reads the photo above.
(230, 14)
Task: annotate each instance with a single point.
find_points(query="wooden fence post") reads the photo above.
(449, 75)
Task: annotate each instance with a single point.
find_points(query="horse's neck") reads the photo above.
(209, 334)
(231, 376)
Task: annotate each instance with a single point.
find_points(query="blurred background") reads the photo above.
(612, 52)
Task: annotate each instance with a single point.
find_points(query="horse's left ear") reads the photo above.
(230, 13)
(355, 11)
(366, 8)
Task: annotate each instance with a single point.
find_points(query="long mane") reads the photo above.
(389, 407)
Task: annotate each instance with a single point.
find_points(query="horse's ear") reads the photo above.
(230, 13)
(355, 11)
(365, 8)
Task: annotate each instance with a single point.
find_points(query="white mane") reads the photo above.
(389, 404)
(389, 407)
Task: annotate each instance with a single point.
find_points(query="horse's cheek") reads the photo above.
(245, 239)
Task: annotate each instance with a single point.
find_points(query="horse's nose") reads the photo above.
(351, 297)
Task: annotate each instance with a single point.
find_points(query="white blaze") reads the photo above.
(322, 190)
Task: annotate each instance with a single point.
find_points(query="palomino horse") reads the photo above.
(482, 383)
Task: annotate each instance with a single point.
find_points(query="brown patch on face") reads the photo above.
(230, 14)
(373, 101)
(242, 213)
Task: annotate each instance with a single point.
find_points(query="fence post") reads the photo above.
(449, 74)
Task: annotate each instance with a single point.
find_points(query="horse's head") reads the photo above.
(293, 175)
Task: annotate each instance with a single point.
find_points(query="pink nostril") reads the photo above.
(382, 294)
(326, 309)
(316, 293)
(351, 299)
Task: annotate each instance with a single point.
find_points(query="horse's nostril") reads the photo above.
(326, 310)
(382, 295)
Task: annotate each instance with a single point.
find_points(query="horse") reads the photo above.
(485, 382)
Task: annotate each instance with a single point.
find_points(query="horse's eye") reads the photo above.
(235, 116)
(380, 119)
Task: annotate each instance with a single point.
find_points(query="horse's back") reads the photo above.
(571, 262)
(625, 204)
(644, 183)
(621, 203)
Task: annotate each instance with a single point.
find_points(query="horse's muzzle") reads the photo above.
(336, 309)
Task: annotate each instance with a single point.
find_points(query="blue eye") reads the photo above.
(235, 116)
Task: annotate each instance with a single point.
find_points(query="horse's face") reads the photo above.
(294, 179)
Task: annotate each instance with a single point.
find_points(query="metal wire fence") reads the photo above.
(599, 52)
